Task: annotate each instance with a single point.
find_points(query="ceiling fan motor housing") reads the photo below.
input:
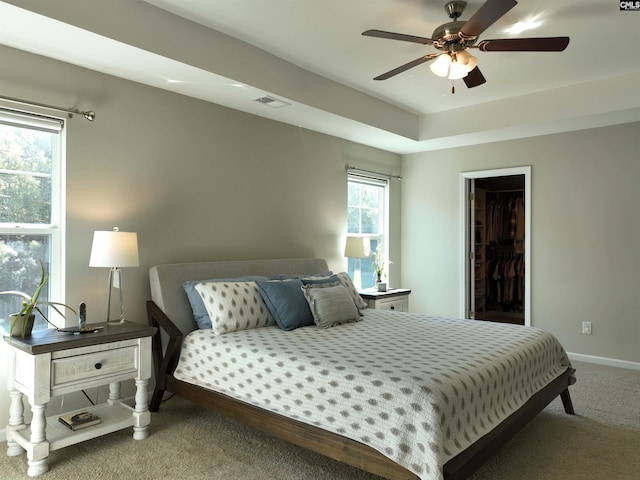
(447, 36)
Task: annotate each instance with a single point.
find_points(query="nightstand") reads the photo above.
(393, 299)
(50, 363)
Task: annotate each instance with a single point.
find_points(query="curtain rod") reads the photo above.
(88, 114)
(349, 168)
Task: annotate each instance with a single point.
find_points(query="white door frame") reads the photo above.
(464, 241)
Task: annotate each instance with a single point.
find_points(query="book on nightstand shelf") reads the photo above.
(78, 420)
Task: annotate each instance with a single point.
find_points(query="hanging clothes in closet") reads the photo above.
(505, 252)
(505, 221)
(505, 282)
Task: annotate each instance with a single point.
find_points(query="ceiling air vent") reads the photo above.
(272, 102)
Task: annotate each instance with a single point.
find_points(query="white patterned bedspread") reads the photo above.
(419, 389)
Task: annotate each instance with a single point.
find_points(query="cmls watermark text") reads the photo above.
(630, 5)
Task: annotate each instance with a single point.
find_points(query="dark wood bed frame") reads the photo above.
(327, 443)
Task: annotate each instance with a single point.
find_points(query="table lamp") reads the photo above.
(114, 250)
(357, 247)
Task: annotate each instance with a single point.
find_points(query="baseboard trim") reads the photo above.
(610, 362)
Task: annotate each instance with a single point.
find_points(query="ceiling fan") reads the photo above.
(456, 37)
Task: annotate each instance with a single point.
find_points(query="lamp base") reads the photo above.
(115, 281)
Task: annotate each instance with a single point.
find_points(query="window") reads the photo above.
(367, 216)
(31, 209)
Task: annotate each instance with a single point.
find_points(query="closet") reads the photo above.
(499, 249)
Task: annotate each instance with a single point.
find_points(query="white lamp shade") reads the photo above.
(114, 249)
(357, 247)
(457, 70)
(441, 66)
(465, 58)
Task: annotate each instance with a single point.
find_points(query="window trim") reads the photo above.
(378, 181)
(56, 229)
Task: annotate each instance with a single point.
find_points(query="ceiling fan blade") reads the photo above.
(543, 44)
(397, 36)
(486, 16)
(474, 78)
(406, 66)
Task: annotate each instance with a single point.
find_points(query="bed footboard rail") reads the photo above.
(164, 360)
(465, 463)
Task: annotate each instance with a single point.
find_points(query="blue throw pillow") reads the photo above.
(286, 303)
(200, 314)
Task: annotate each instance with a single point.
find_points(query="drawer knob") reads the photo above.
(98, 366)
(392, 307)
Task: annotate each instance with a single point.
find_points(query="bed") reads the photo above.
(401, 395)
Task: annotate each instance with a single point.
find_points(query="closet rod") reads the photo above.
(517, 190)
(349, 168)
(88, 114)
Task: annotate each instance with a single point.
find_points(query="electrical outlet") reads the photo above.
(586, 328)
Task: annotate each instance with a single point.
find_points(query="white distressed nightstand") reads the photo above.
(50, 363)
(393, 299)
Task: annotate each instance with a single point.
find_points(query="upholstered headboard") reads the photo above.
(167, 281)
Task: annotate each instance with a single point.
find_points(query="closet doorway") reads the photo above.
(496, 246)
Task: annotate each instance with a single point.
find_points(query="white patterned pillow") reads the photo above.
(330, 304)
(351, 288)
(234, 306)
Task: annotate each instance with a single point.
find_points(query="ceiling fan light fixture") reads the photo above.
(465, 58)
(457, 70)
(441, 65)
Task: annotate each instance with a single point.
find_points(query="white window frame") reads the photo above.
(56, 229)
(383, 182)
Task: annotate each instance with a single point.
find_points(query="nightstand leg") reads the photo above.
(38, 449)
(16, 422)
(114, 393)
(141, 415)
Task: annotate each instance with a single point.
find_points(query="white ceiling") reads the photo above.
(327, 76)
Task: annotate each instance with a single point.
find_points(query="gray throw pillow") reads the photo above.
(330, 304)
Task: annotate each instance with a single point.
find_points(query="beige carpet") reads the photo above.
(602, 442)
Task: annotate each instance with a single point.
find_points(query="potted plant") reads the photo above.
(22, 322)
(379, 263)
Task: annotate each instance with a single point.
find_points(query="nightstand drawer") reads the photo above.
(94, 366)
(398, 304)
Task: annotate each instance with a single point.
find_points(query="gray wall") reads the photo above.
(585, 233)
(196, 181)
